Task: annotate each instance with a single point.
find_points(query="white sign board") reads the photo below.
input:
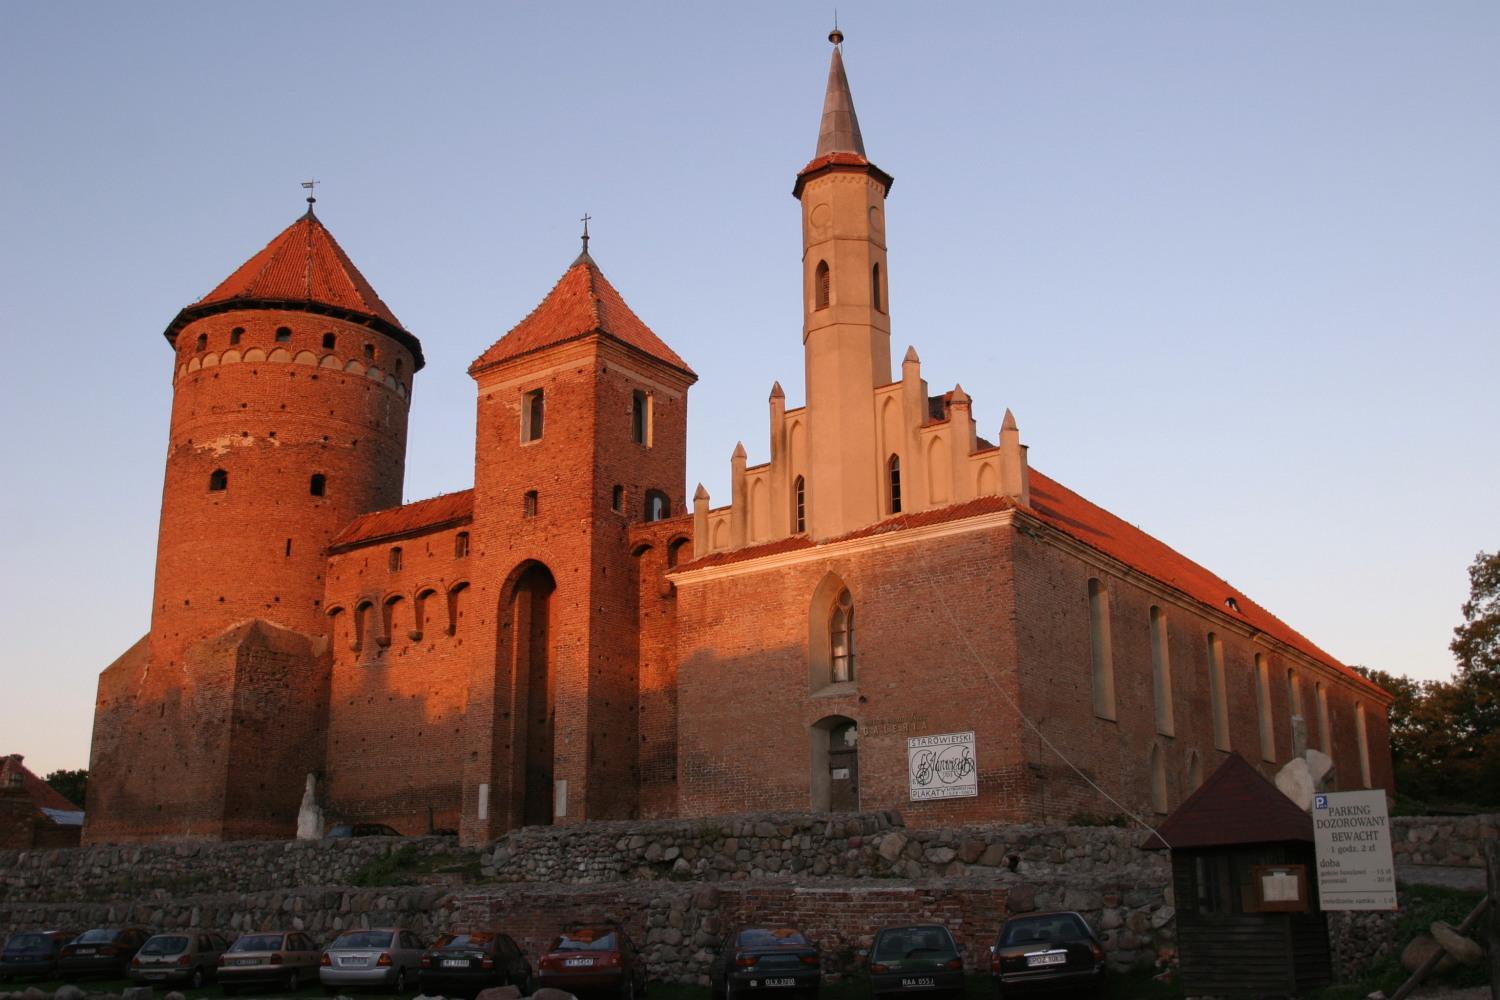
(942, 767)
(1352, 834)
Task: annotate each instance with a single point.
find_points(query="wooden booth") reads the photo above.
(1244, 881)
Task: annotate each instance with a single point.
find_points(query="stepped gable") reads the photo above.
(1098, 528)
(442, 511)
(583, 302)
(302, 268)
(1236, 805)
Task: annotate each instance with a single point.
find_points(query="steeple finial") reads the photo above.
(839, 132)
(584, 258)
(308, 187)
(835, 36)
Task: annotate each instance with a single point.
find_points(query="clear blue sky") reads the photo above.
(1235, 266)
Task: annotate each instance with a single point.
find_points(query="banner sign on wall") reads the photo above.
(1352, 836)
(942, 767)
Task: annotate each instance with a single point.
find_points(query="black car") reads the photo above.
(778, 960)
(103, 951)
(922, 959)
(33, 953)
(471, 961)
(343, 830)
(1041, 952)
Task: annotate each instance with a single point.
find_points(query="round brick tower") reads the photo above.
(290, 392)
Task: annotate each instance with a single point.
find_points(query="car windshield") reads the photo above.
(775, 937)
(1055, 929)
(464, 940)
(26, 942)
(257, 942)
(165, 944)
(363, 939)
(586, 939)
(914, 942)
(97, 936)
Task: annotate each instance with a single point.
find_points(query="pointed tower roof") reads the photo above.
(839, 132)
(302, 268)
(583, 302)
(840, 144)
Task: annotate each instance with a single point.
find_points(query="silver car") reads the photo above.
(388, 957)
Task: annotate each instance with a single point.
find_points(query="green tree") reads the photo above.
(1476, 644)
(70, 784)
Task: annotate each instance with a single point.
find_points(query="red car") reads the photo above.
(593, 959)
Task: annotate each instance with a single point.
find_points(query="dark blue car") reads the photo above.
(33, 953)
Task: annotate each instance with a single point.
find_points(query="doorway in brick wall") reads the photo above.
(835, 765)
(531, 612)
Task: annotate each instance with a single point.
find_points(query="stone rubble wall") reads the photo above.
(1443, 840)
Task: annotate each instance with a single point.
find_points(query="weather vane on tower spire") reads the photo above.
(308, 187)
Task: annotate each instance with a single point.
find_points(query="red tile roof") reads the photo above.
(820, 165)
(1098, 528)
(43, 795)
(1236, 805)
(303, 266)
(583, 302)
(436, 512)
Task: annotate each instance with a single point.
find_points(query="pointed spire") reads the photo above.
(739, 451)
(777, 392)
(839, 132)
(911, 357)
(584, 258)
(1009, 423)
(700, 494)
(958, 397)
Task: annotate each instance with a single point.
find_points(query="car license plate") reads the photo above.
(455, 963)
(1047, 958)
(574, 963)
(918, 982)
(247, 961)
(784, 981)
(156, 975)
(84, 951)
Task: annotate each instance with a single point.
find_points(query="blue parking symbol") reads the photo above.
(1320, 802)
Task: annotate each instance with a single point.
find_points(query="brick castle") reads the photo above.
(577, 638)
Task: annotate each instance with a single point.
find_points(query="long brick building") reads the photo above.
(577, 638)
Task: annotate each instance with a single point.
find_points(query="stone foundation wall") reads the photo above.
(1443, 840)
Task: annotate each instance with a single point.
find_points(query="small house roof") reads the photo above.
(1236, 805)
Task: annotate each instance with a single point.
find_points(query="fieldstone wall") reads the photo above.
(1361, 939)
(1443, 840)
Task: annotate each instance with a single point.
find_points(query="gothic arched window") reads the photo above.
(877, 294)
(821, 285)
(841, 638)
(893, 471)
(799, 504)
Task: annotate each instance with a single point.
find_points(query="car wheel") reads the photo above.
(196, 982)
(293, 981)
(401, 980)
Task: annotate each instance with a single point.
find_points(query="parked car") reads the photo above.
(283, 958)
(592, 959)
(1046, 951)
(778, 960)
(33, 953)
(183, 957)
(340, 830)
(919, 959)
(389, 958)
(103, 951)
(470, 961)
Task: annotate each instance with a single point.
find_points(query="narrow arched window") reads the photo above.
(1161, 672)
(529, 504)
(1102, 655)
(395, 559)
(640, 417)
(821, 286)
(617, 499)
(877, 295)
(318, 485)
(658, 507)
(330, 340)
(460, 545)
(235, 335)
(1362, 734)
(893, 472)
(1263, 707)
(799, 504)
(533, 414)
(1216, 692)
(218, 481)
(841, 638)
(1325, 727)
(202, 341)
(283, 334)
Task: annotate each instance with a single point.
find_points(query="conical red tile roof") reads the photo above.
(583, 302)
(303, 267)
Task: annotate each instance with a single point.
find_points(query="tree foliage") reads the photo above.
(70, 784)
(1445, 735)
